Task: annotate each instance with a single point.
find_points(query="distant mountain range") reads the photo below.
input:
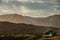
(52, 21)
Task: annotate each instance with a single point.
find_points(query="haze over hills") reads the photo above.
(52, 21)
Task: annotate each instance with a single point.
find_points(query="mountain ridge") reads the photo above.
(49, 21)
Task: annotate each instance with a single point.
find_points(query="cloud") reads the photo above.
(33, 8)
(48, 0)
(0, 1)
(56, 6)
(4, 10)
(32, 1)
(36, 13)
(6, 0)
(39, 13)
(23, 10)
(23, 0)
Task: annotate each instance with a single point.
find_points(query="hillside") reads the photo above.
(7, 27)
(51, 21)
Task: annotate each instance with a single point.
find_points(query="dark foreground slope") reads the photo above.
(7, 27)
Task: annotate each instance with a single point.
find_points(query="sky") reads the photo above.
(33, 8)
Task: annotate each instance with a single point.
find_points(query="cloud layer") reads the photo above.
(34, 8)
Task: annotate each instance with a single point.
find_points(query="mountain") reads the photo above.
(8, 27)
(51, 21)
(15, 18)
(54, 20)
(12, 18)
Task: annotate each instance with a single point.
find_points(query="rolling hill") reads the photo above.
(51, 21)
(7, 27)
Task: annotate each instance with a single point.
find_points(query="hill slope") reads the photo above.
(49, 21)
(7, 27)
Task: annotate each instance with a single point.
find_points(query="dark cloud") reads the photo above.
(16, 3)
(0, 2)
(10, 4)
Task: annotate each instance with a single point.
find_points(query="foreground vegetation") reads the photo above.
(27, 37)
